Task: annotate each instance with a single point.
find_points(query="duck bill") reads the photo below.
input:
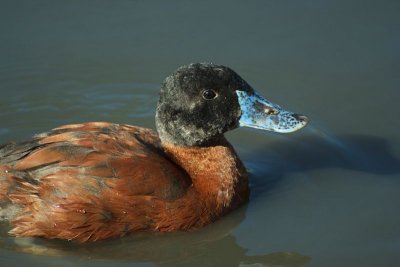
(257, 112)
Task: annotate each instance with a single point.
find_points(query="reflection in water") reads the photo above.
(211, 246)
(318, 151)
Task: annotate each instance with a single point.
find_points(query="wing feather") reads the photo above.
(87, 181)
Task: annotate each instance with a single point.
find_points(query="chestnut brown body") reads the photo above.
(93, 181)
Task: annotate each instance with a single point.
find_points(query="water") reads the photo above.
(325, 196)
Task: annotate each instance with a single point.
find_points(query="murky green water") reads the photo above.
(326, 196)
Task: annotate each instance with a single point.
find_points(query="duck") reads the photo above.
(92, 181)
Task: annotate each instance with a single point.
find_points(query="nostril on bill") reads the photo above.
(271, 111)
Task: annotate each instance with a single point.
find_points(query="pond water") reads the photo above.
(325, 196)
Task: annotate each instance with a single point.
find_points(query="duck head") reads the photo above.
(199, 102)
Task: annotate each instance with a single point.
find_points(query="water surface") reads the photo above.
(325, 196)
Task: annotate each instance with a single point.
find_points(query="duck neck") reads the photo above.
(219, 179)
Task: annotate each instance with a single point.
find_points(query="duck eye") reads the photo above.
(209, 94)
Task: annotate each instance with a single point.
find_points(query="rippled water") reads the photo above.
(325, 196)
